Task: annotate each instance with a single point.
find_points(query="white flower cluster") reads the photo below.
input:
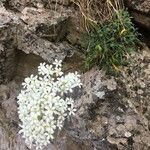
(43, 104)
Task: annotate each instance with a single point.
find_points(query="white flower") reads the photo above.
(45, 70)
(71, 109)
(58, 72)
(58, 63)
(42, 69)
(28, 80)
(42, 107)
(59, 125)
(50, 69)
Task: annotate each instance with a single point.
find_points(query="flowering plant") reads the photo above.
(43, 104)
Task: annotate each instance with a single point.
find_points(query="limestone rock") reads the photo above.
(7, 45)
(105, 122)
(23, 31)
(140, 11)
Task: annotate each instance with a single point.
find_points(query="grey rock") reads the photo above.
(20, 30)
(140, 10)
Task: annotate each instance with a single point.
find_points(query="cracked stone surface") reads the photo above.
(31, 31)
(112, 112)
(140, 10)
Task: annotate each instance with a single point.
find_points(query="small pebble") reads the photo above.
(140, 92)
(128, 134)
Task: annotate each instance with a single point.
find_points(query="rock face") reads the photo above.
(140, 10)
(31, 28)
(112, 112)
(7, 45)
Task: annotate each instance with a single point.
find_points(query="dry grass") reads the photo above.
(91, 12)
(97, 11)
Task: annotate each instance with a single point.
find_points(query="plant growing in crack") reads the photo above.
(43, 104)
(109, 44)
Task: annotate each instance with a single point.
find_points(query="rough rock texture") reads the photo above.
(37, 30)
(140, 10)
(8, 126)
(115, 110)
(7, 45)
(112, 112)
(19, 5)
